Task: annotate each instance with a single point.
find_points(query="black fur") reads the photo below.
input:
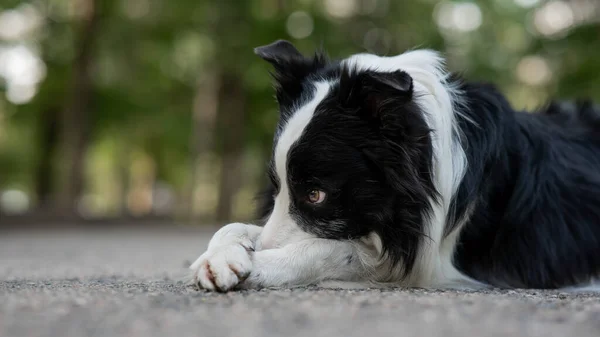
(291, 70)
(535, 182)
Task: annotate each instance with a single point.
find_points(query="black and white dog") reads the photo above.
(390, 171)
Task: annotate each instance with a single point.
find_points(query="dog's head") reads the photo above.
(353, 152)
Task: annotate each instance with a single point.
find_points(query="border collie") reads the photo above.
(389, 171)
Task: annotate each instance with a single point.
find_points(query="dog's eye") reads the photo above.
(316, 196)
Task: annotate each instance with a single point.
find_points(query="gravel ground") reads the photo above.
(119, 282)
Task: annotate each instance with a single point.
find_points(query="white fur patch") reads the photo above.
(280, 228)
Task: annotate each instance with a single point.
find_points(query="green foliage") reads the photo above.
(151, 55)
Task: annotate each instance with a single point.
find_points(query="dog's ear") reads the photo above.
(291, 68)
(279, 53)
(376, 93)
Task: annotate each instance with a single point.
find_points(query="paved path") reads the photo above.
(125, 283)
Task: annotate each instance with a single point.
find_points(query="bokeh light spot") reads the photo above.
(462, 17)
(340, 8)
(14, 201)
(534, 70)
(299, 25)
(553, 19)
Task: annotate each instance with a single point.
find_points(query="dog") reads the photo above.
(391, 171)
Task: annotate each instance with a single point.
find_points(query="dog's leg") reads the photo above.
(307, 262)
(227, 260)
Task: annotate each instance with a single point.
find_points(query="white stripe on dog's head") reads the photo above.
(280, 228)
(438, 100)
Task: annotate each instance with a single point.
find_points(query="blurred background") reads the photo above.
(158, 109)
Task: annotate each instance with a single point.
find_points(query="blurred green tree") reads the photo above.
(156, 107)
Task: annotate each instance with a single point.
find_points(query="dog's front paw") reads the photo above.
(267, 271)
(222, 268)
(254, 280)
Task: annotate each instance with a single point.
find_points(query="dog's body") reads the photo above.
(387, 171)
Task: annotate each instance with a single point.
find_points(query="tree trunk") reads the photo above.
(231, 124)
(233, 28)
(75, 120)
(123, 165)
(201, 138)
(49, 120)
